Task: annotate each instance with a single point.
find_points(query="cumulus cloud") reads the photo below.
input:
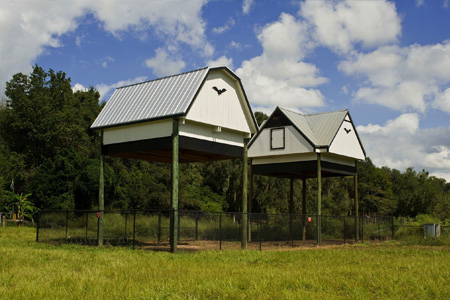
(345, 23)
(246, 6)
(105, 89)
(221, 61)
(279, 74)
(403, 78)
(442, 101)
(28, 27)
(230, 23)
(164, 64)
(78, 87)
(401, 143)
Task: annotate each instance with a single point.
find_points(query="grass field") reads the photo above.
(30, 270)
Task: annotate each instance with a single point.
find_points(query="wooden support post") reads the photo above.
(174, 200)
(101, 193)
(356, 209)
(291, 208)
(304, 209)
(319, 200)
(244, 225)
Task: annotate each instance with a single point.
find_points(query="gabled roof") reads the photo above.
(318, 129)
(162, 98)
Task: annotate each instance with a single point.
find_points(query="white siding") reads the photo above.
(208, 133)
(283, 158)
(347, 144)
(225, 110)
(143, 131)
(337, 159)
(294, 143)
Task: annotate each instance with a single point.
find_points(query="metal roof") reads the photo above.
(160, 98)
(320, 128)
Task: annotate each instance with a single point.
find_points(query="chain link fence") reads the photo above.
(206, 230)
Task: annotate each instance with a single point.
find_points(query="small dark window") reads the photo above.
(277, 140)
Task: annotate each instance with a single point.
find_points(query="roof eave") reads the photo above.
(138, 121)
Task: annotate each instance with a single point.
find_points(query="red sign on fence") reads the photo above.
(98, 215)
(309, 219)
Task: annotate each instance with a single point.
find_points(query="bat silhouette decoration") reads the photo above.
(219, 91)
(347, 130)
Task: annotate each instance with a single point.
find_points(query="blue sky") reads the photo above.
(388, 62)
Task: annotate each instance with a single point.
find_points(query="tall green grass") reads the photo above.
(30, 270)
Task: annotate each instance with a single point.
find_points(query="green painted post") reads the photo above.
(356, 209)
(101, 193)
(244, 225)
(291, 209)
(319, 200)
(38, 222)
(304, 209)
(250, 199)
(174, 204)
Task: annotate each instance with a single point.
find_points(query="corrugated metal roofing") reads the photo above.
(320, 128)
(148, 100)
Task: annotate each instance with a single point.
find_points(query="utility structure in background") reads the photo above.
(198, 116)
(296, 146)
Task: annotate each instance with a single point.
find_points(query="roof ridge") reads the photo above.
(165, 77)
(298, 129)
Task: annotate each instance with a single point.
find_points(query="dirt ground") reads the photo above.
(235, 245)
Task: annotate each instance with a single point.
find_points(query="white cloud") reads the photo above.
(221, 61)
(246, 6)
(401, 143)
(162, 64)
(279, 75)
(78, 87)
(230, 23)
(403, 78)
(442, 101)
(106, 60)
(175, 21)
(340, 25)
(105, 89)
(28, 27)
(420, 2)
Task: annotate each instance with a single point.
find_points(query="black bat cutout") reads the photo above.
(347, 130)
(219, 91)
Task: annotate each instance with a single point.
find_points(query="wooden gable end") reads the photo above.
(221, 102)
(279, 137)
(346, 141)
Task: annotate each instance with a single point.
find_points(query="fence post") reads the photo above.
(86, 234)
(259, 233)
(159, 227)
(67, 223)
(220, 230)
(362, 227)
(134, 229)
(98, 229)
(37, 225)
(378, 224)
(393, 231)
(345, 228)
(196, 226)
(179, 224)
(126, 223)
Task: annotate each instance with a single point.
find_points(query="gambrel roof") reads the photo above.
(162, 98)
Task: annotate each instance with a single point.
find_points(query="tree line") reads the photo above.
(48, 153)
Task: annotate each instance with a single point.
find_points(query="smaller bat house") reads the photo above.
(288, 143)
